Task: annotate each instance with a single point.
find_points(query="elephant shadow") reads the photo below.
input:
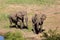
(13, 26)
(38, 31)
(18, 26)
(25, 27)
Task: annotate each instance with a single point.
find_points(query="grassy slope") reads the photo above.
(5, 3)
(4, 23)
(29, 1)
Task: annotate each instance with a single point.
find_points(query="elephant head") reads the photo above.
(13, 19)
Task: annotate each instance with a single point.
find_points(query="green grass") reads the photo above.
(3, 16)
(4, 22)
(14, 36)
(28, 1)
(5, 3)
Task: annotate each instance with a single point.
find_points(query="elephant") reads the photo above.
(23, 19)
(37, 21)
(19, 17)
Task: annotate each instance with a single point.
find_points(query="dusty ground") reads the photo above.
(52, 12)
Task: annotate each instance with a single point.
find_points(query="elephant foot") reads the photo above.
(13, 26)
(35, 31)
(41, 30)
(19, 26)
(25, 27)
(32, 30)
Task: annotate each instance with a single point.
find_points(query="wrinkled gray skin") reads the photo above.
(37, 21)
(19, 17)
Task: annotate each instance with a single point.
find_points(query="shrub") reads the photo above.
(51, 35)
(13, 36)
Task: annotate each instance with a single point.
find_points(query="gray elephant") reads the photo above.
(19, 17)
(37, 21)
(23, 19)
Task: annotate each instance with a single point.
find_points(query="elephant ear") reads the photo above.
(43, 17)
(24, 13)
(19, 14)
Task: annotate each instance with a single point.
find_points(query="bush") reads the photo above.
(13, 36)
(51, 35)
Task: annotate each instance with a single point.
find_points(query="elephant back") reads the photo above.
(13, 16)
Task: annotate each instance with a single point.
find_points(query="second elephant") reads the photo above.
(37, 21)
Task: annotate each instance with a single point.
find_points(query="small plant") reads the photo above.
(51, 35)
(13, 36)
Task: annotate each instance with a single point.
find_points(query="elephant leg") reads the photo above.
(10, 23)
(36, 29)
(26, 21)
(19, 23)
(41, 26)
(40, 29)
(23, 22)
(16, 24)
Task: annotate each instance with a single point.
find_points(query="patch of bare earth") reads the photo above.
(26, 35)
(4, 31)
(31, 35)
